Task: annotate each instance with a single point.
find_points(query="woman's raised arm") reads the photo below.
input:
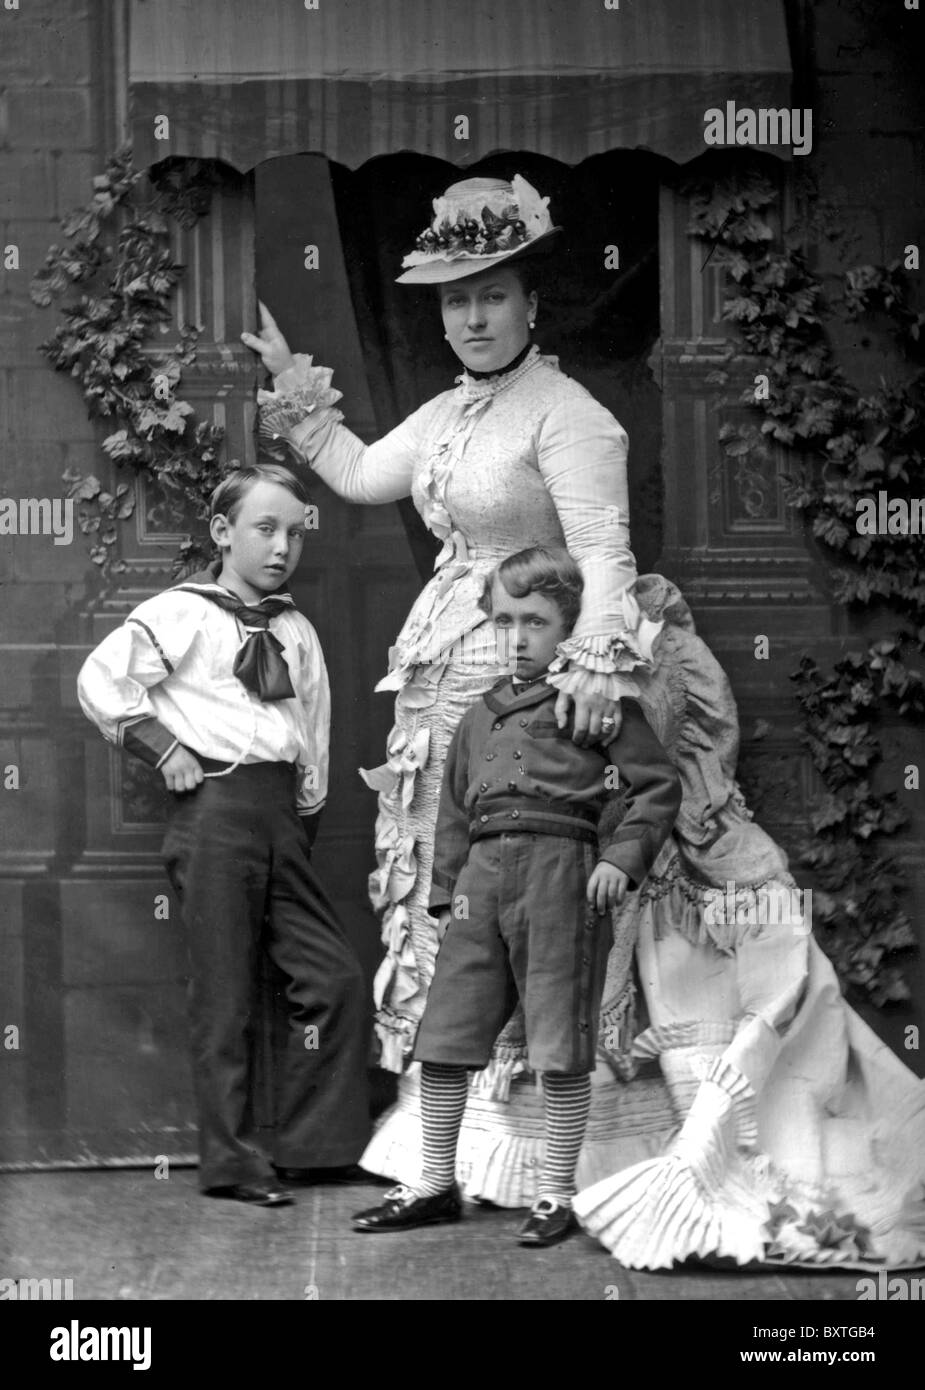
(301, 410)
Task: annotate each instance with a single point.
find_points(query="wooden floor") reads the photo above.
(123, 1234)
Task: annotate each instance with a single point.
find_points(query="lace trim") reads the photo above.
(707, 913)
(618, 1024)
(434, 477)
(299, 392)
(576, 680)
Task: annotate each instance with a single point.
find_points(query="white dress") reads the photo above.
(779, 1130)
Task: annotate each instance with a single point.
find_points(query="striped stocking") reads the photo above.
(566, 1105)
(443, 1100)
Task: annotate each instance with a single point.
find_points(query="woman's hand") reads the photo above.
(271, 344)
(590, 711)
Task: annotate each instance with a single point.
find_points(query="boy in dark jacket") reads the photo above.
(527, 893)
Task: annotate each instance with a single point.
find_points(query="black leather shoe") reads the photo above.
(347, 1174)
(261, 1194)
(402, 1210)
(548, 1223)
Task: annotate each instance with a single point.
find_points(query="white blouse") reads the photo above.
(526, 458)
(172, 661)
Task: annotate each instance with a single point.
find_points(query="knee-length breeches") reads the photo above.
(520, 928)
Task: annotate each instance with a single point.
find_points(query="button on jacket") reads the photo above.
(511, 769)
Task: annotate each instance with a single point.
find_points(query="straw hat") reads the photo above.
(478, 223)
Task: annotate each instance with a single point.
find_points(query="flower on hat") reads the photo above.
(534, 210)
(471, 222)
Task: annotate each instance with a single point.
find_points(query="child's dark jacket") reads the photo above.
(510, 768)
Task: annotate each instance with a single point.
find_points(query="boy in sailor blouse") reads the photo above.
(517, 846)
(220, 683)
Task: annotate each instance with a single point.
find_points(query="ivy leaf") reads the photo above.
(831, 530)
(121, 446)
(86, 489)
(870, 460)
(832, 811)
(175, 416)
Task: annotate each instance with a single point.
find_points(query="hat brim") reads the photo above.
(441, 270)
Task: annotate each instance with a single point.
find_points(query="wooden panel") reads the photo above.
(730, 539)
(97, 985)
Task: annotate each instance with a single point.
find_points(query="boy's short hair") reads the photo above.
(539, 570)
(227, 498)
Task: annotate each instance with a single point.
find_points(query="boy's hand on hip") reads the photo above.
(443, 921)
(607, 887)
(182, 770)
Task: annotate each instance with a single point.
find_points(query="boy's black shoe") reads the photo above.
(346, 1174)
(261, 1194)
(548, 1223)
(401, 1210)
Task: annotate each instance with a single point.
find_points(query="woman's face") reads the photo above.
(486, 317)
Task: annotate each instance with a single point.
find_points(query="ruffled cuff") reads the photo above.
(300, 402)
(602, 664)
(580, 680)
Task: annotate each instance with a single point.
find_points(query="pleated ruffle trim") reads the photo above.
(502, 1146)
(714, 1196)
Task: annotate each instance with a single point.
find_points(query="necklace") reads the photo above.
(471, 389)
(501, 371)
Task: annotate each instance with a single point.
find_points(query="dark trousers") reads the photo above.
(235, 853)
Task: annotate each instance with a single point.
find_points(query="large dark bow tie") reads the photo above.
(260, 665)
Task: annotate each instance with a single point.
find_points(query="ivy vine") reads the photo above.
(845, 444)
(117, 253)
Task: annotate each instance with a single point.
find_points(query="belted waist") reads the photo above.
(533, 815)
(215, 766)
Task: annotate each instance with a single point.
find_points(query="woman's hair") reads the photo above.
(227, 498)
(527, 269)
(539, 570)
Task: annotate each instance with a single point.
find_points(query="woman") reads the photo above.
(754, 1041)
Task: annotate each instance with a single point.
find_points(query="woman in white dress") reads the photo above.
(782, 1130)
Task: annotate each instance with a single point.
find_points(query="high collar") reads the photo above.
(505, 696)
(477, 394)
(501, 371)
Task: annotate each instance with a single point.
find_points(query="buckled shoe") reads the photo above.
(548, 1223)
(401, 1210)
